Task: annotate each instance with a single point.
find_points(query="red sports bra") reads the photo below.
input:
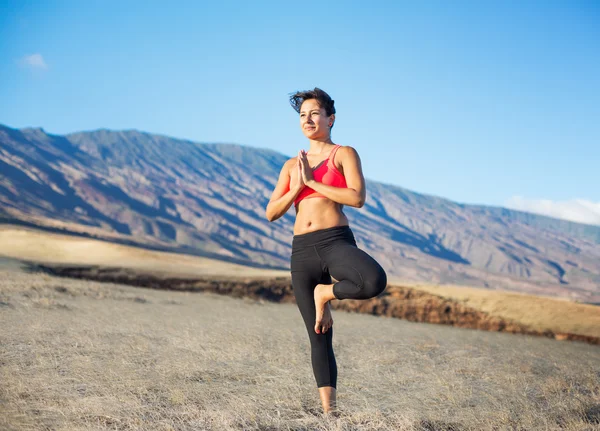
(325, 173)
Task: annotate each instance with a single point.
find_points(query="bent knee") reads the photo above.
(375, 283)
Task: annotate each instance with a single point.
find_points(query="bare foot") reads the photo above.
(327, 321)
(332, 413)
(323, 319)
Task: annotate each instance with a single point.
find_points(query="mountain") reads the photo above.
(209, 200)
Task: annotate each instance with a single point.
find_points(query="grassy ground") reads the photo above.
(539, 313)
(80, 355)
(44, 247)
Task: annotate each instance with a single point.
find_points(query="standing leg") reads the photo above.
(322, 356)
(323, 359)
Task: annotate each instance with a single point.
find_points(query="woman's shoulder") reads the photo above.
(347, 151)
(289, 164)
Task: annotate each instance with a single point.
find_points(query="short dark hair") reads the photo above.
(325, 101)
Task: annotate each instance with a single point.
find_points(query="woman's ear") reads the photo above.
(331, 120)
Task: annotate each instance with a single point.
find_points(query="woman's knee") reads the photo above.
(319, 342)
(374, 282)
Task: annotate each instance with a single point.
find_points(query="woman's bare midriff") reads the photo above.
(314, 214)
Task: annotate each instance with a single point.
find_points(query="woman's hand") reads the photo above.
(306, 173)
(296, 181)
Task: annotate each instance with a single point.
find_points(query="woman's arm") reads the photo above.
(355, 193)
(283, 197)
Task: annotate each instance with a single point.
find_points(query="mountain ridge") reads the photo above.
(210, 198)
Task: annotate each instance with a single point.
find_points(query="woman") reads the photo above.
(319, 183)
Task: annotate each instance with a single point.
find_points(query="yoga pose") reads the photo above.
(319, 183)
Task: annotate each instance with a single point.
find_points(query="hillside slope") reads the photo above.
(209, 199)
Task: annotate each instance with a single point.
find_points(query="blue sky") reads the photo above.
(479, 102)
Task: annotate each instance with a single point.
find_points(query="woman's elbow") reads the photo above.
(359, 202)
(356, 204)
(269, 214)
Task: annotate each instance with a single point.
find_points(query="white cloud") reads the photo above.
(578, 210)
(35, 61)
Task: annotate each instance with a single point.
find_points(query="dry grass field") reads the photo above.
(81, 355)
(44, 247)
(537, 312)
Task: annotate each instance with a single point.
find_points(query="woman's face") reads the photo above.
(314, 121)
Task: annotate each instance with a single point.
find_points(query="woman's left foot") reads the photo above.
(322, 312)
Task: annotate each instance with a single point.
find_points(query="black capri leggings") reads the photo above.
(316, 256)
